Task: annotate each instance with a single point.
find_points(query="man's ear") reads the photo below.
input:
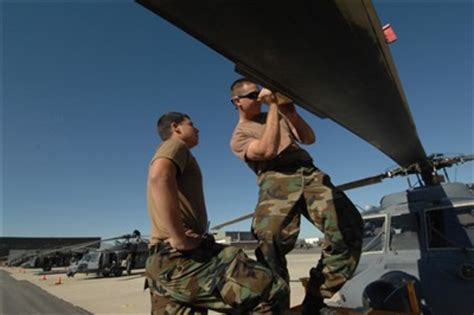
(236, 101)
(175, 127)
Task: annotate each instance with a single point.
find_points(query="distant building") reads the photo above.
(236, 238)
(314, 241)
(241, 237)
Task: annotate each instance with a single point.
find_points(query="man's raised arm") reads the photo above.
(305, 132)
(266, 148)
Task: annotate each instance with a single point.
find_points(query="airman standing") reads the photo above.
(291, 186)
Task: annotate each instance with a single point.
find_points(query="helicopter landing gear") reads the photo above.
(395, 291)
(116, 271)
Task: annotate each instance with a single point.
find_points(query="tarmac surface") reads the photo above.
(119, 295)
(23, 297)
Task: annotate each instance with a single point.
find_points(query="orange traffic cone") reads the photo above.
(58, 282)
(43, 278)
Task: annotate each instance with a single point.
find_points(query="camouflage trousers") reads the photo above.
(213, 276)
(283, 198)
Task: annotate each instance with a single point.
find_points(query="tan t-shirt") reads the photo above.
(190, 190)
(288, 150)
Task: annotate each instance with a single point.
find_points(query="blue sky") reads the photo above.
(83, 82)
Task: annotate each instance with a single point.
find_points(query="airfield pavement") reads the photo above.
(125, 294)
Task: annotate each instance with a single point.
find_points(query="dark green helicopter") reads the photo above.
(129, 252)
(51, 255)
(331, 57)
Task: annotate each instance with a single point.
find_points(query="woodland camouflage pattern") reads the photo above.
(283, 198)
(213, 276)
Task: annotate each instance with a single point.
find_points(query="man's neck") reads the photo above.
(244, 117)
(176, 137)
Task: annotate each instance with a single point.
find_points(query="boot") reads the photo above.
(312, 305)
(313, 302)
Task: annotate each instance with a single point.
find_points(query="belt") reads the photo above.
(291, 167)
(206, 240)
(154, 248)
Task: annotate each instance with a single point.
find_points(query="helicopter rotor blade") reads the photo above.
(363, 182)
(46, 252)
(236, 220)
(440, 161)
(330, 56)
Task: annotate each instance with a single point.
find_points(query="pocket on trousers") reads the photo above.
(244, 282)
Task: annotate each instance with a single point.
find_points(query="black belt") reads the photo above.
(154, 248)
(291, 167)
(206, 239)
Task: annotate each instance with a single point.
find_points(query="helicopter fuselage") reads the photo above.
(425, 235)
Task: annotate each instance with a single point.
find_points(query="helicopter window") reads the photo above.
(373, 234)
(404, 232)
(90, 256)
(448, 228)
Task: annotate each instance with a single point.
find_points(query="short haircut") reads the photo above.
(164, 123)
(237, 84)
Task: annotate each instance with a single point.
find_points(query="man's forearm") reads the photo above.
(266, 148)
(305, 132)
(270, 140)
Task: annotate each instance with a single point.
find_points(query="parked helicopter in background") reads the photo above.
(126, 255)
(331, 57)
(53, 256)
(129, 252)
(54, 259)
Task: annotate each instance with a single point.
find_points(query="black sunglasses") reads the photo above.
(252, 95)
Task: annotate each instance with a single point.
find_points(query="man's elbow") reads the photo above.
(261, 155)
(310, 140)
(270, 154)
(266, 155)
